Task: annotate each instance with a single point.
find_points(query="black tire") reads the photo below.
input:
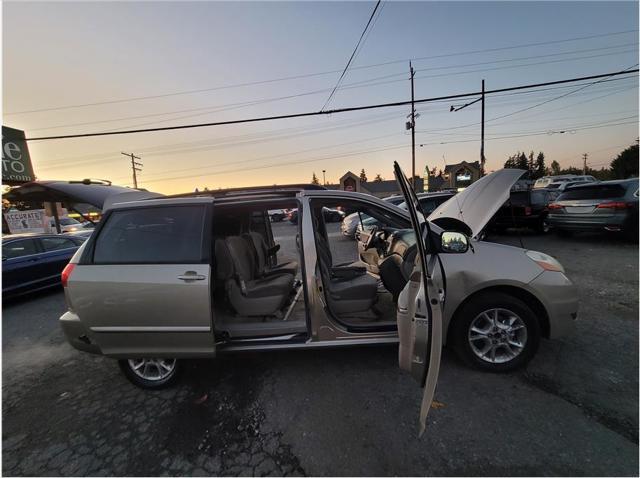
(542, 227)
(127, 369)
(466, 315)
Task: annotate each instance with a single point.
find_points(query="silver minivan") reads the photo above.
(165, 279)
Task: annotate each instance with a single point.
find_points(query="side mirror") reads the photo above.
(454, 242)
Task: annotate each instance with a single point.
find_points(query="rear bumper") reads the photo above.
(587, 222)
(77, 334)
(560, 298)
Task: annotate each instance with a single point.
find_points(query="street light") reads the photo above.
(324, 179)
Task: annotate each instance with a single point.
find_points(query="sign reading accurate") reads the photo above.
(16, 162)
(26, 221)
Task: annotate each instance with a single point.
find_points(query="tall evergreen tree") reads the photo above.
(314, 179)
(363, 176)
(625, 165)
(540, 168)
(555, 167)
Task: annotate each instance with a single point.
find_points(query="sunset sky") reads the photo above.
(108, 66)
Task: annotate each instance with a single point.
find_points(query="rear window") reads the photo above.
(153, 235)
(14, 249)
(519, 198)
(57, 243)
(601, 191)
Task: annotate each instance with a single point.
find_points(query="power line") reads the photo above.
(524, 135)
(544, 102)
(356, 153)
(308, 75)
(616, 122)
(284, 133)
(353, 54)
(335, 111)
(238, 140)
(273, 156)
(360, 84)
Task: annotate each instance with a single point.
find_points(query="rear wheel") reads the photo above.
(496, 332)
(542, 226)
(151, 373)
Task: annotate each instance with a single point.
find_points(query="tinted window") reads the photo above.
(519, 198)
(15, 249)
(601, 191)
(539, 197)
(153, 235)
(56, 243)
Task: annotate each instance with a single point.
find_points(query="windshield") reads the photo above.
(601, 191)
(65, 221)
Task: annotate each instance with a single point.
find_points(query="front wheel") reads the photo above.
(151, 373)
(496, 332)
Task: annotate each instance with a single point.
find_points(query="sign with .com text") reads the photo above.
(26, 221)
(16, 162)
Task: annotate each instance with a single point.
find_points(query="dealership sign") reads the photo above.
(26, 221)
(16, 162)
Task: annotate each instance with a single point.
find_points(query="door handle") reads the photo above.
(190, 275)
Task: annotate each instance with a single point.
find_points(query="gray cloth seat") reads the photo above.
(348, 289)
(261, 253)
(249, 295)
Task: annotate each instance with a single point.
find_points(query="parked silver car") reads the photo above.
(605, 206)
(166, 279)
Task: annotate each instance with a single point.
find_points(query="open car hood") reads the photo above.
(478, 203)
(99, 195)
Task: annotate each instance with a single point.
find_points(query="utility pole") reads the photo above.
(134, 167)
(584, 163)
(482, 158)
(413, 131)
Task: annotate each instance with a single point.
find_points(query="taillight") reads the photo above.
(613, 205)
(66, 274)
(527, 211)
(554, 205)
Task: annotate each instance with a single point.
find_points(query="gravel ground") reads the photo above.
(572, 411)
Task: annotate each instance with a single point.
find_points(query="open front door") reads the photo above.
(420, 307)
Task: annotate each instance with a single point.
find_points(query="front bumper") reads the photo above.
(77, 334)
(560, 298)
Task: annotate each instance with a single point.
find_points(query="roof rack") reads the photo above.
(275, 190)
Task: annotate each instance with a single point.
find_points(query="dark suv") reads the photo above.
(525, 209)
(606, 206)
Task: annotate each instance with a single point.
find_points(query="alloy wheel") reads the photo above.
(497, 335)
(152, 369)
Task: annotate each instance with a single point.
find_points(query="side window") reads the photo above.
(56, 243)
(153, 235)
(16, 249)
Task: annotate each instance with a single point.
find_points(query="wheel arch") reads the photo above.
(525, 296)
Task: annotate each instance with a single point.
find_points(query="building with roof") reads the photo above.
(352, 182)
(460, 175)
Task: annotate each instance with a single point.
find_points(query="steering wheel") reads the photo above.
(370, 239)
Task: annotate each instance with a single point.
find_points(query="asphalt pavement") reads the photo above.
(572, 411)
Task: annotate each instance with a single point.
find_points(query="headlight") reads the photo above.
(545, 261)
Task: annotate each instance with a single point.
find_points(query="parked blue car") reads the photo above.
(32, 262)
